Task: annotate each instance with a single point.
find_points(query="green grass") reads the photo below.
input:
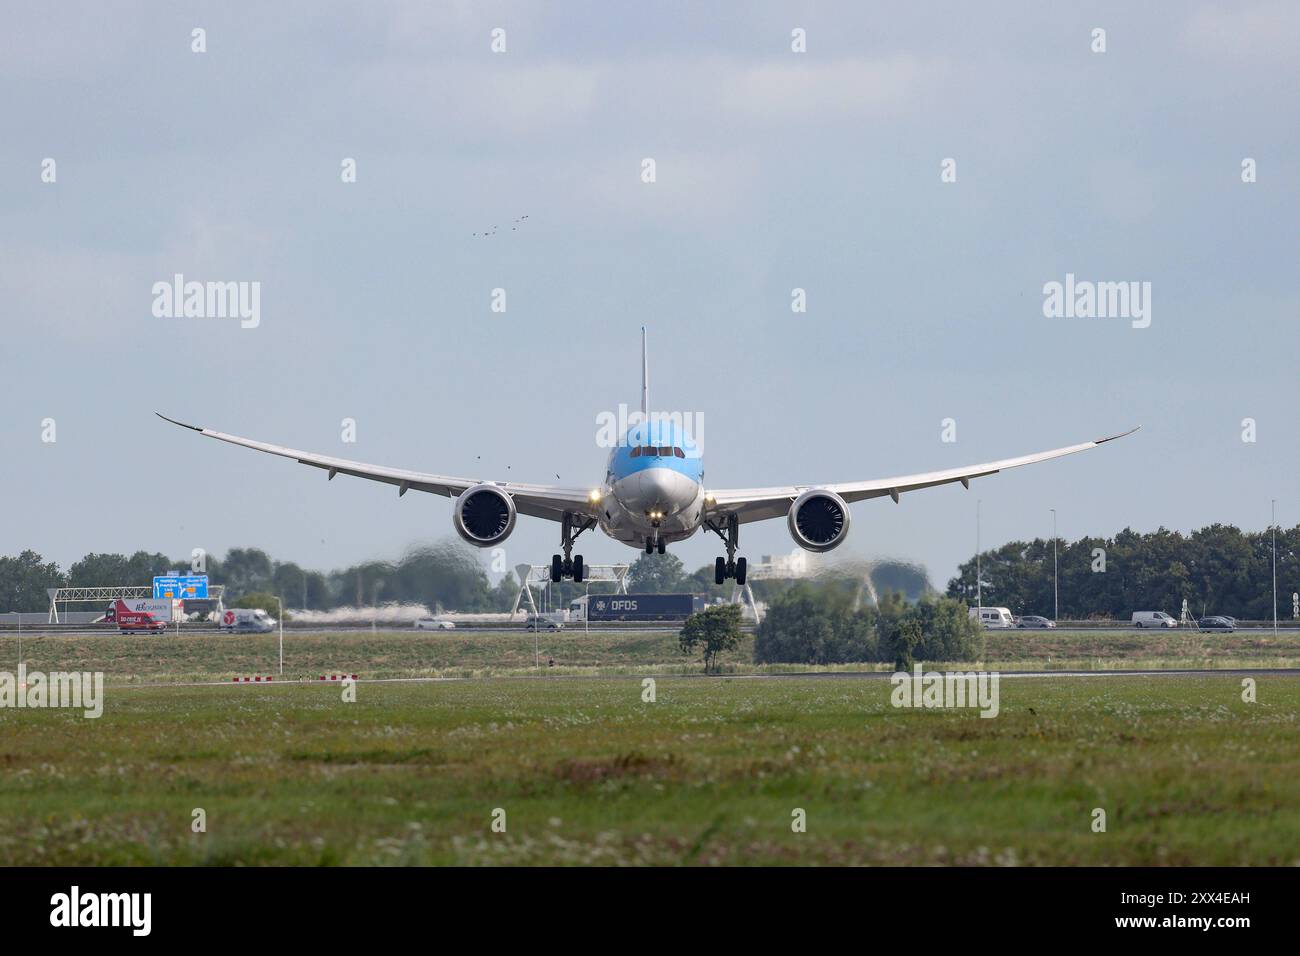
(203, 655)
(707, 774)
(1129, 647)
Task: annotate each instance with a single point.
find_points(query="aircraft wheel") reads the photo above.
(557, 569)
(741, 566)
(719, 571)
(661, 545)
(577, 569)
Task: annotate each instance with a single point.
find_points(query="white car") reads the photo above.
(433, 624)
(1153, 619)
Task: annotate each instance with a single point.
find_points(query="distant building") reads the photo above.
(792, 565)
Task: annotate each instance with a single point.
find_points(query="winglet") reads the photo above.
(1102, 441)
(175, 422)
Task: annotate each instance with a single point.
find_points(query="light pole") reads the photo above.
(1272, 525)
(374, 605)
(279, 603)
(1056, 590)
(979, 594)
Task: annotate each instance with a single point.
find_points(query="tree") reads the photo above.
(113, 570)
(245, 571)
(910, 580)
(657, 574)
(819, 623)
(24, 579)
(300, 587)
(907, 637)
(714, 630)
(99, 570)
(815, 623)
(504, 594)
(1218, 569)
(932, 629)
(265, 601)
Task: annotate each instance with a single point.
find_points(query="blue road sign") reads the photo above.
(181, 586)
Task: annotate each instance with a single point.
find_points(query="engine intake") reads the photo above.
(484, 515)
(819, 520)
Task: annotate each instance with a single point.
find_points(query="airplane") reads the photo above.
(653, 494)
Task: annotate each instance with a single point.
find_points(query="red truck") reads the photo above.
(131, 621)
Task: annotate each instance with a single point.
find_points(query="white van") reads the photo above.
(1153, 619)
(246, 619)
(993, 617)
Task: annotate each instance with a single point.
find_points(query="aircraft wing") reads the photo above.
(538, 501)
(758, 504)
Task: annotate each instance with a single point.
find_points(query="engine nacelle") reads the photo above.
(484, 515)
(819, 520)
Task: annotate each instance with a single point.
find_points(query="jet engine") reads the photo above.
(484, 515)
(819, 520)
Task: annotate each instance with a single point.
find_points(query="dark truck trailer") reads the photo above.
(638, 607)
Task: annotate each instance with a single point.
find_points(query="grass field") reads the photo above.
(203, 655)
(709, 773)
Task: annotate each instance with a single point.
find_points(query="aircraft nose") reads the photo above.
(657, 490)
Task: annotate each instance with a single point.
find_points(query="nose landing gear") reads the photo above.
(730, 566)
(652, 541)
(570, 566)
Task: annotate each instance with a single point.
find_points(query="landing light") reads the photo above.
(595, 495)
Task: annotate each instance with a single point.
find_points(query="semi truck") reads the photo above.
(635, 607)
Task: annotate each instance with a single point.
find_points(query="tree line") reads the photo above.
(821, 623)
(1219, 569)
(443, 575)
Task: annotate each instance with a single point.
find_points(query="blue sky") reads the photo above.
(775, 170)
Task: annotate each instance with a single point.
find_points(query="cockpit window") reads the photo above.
(679, 453)
(635, 452)
(666, 451)
(649, 451)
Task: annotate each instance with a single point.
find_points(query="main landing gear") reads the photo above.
(728, 529)
(570, 566)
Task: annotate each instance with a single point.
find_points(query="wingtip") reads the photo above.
(175, 422)
(1135, 428)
